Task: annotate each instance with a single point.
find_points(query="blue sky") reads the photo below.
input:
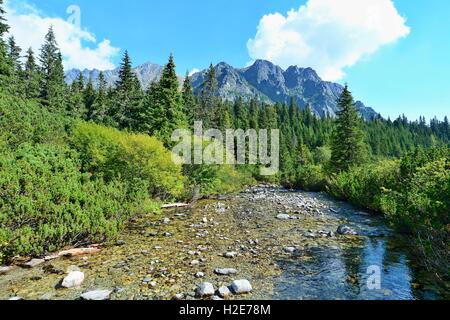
(402, 67)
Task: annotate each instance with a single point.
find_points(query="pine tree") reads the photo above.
(209, 99)
(5, 67)
(3, 25)
(128, 96)
(31, 76)
(53, 86)
(89, 97)
(253, 115)
(348, 148)
(163, 111)
(190, 105)
(76, 105)
(14, 54)
(100, 106)
(241, 115)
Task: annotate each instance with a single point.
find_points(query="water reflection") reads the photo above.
(332, 273)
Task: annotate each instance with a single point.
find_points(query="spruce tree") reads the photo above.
(348, 148)
(209, 99)
(163, 110)
(5, 67)
(100, 105)
(76, 105)
(31, 76)
(89, 97)
(241, 116)
(14, 54)
(190, 105)
(15, 65)
(52, 74)
(128, 96)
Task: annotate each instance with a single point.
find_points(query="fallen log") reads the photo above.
(74, 252)
(174, 205)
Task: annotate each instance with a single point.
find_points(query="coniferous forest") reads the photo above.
(78, 161)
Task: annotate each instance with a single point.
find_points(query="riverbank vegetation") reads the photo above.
(78, 160)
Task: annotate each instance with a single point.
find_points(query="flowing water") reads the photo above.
(351, 273)
(157, 259)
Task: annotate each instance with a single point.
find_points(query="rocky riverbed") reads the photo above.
(264, 243)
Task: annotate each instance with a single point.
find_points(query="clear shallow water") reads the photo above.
(334, 273)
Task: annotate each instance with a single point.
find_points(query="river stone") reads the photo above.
(346, 230)
(33, 263)
(283, 216)
(178, 296)
(52, 269)
(205, 289)
(230, 254)
(199, 275)
(241, 286)
(120, 243)
(5, 270)
(72, 268)
(290, 249)
(15, 299)
(96, 295)
(224, 292)
(225, 271)
(73, 279)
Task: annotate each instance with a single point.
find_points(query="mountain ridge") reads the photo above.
(262, 80)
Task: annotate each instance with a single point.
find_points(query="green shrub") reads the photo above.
(311, 177)
(207, 179)
(46, 203)
(26, 121)
(423, 202)
(364, 185)
(136, 159)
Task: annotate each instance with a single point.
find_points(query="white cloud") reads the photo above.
(327, 35)
(193, 71)
(29, 26)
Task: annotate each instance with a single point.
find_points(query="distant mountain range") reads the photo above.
(262, 80)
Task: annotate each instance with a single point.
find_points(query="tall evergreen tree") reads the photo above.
(5, 67)
(31, 76)
(89, 97)
(190, 105)
(163, 110)
(209, 99)
(52, 79)
(128, 96)
(100, 106)
(14, 54)
(348, 148)
(76, 105)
